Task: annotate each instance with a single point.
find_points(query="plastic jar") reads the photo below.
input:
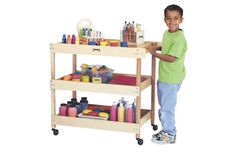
(72, 111)
(63, 109)
(83, 103)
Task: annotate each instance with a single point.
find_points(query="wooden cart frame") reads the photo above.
(142, 115)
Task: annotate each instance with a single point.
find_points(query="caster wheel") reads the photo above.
(55, 132)
(140, 141)
(154, 127)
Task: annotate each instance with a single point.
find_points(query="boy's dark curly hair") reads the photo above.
(173, 7)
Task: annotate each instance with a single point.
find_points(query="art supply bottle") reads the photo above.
(126, 110)
(73, 39)
(121, 112)
(77, 40)
(63, 109)
(134, 110)
(64, 39)
(68, 40)
(75, 103)
(130, 114)
(72, 111)
(113, 116)
(83, 103)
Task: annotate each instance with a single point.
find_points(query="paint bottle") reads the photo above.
(72, 111)
(113, 112)
(134, 110)
(77, 40)
(63, 109)
(121, 112)
(83, 103)
(126, 110)
(73, 39)
(64, 39)
(75, 103)
(68, 40)
(130, 114)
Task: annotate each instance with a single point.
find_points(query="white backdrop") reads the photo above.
(205, 111)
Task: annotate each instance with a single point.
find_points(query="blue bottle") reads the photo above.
(64, 39)
(83, 103)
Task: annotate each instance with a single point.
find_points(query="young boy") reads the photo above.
(171, 73)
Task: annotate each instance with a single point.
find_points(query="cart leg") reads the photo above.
(53, 92)
(138, 100)
(153, 93)
(53, 107)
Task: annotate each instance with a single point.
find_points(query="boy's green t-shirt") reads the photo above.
(173, 44)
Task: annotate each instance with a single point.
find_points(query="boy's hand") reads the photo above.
(152, 49)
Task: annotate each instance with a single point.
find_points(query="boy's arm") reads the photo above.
(167, 58)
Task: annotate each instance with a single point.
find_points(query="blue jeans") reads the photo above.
(167, 98)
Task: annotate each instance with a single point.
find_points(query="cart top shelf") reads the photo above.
(116, 51)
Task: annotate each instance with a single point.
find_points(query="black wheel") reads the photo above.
(55, 132)
(140, 141)
(154, 127)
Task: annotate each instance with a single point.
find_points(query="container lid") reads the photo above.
(69, 102)
(73, 99)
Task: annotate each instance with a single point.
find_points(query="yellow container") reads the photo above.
(103, 43)
(85, 78)
(67, 78)
(76, 80)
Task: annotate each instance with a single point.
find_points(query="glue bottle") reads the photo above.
(130, 115)
(113, 112)
(126, 110)
(121, 112)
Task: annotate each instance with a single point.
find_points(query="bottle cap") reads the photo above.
(73, 99)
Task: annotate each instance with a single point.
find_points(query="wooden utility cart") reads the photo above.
(142, 115)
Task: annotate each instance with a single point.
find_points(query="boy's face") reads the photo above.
(172, 20)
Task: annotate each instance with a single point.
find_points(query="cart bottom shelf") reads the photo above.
(103, 124)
